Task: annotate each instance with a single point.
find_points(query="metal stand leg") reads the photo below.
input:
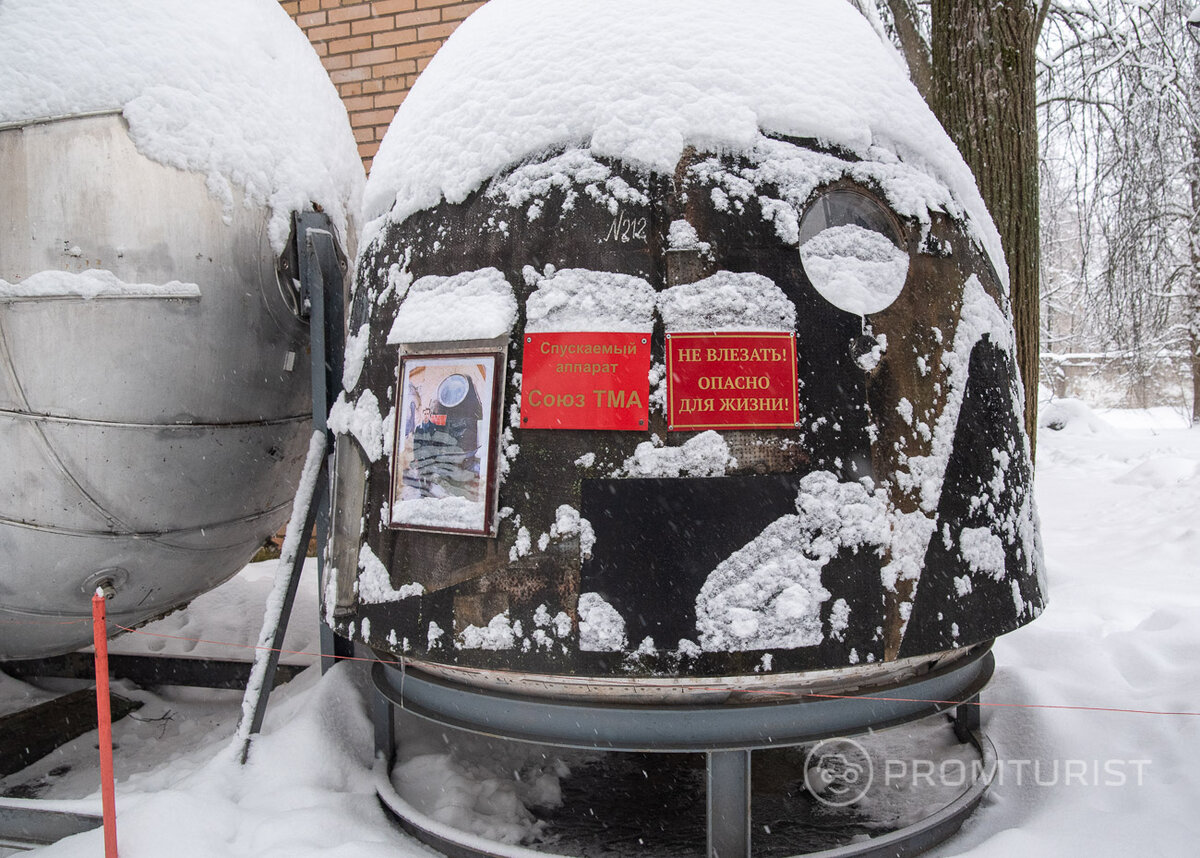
(334, 647)
(967, 719)
(321, 284)
(728, 810)
(283, 596)
(383, 714)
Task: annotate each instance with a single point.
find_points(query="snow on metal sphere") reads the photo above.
(736, 341)
(154, 389)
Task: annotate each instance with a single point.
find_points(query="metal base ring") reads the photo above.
(910, 840)
(726, 734)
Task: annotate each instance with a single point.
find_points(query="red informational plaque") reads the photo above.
(731, 381)
(582, 380)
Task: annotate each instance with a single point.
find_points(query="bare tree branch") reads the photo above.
(914, 45)
(1041, 20)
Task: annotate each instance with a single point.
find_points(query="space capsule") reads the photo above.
(744, 406)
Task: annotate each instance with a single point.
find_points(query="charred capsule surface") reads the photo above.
(751, 417)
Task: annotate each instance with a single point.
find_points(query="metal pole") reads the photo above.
(728, 804)
(383, 714)
(967, 719)
(283, 596)
(319, 271)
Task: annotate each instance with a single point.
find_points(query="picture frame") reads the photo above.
(445, 442)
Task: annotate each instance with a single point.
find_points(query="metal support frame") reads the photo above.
(321, 296)
(383, 716)
(190, 671)
(27, 823)
(666, 728)
(320, 273)
(726, 734)
(967, 720)
(320, 270)
(727, 803)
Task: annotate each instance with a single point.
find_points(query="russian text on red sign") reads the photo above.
(731, 381)
(578, 380)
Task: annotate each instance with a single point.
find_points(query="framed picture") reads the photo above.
(444, 455)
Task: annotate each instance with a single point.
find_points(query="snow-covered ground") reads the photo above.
(1119, 494)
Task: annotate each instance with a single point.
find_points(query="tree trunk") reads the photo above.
(984, 64)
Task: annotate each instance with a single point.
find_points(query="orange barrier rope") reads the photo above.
(104, 718)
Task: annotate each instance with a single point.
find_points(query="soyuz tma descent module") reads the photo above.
(665, 377)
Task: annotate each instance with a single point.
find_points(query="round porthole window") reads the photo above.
(453, 390)
(852, 252)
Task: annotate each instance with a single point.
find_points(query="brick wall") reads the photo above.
(374, 50)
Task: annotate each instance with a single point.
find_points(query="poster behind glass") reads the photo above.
(445, 442)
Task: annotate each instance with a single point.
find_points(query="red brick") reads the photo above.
(354, 43)
(310, 5)
(341, 61)
(348, 90)
(420, 49)
(391, 7)
(371, 117)
(366, 151)
(370, 58)
(459, 11)
(390, 99)
(436, 31)
(394, 37)
(359, 102)
(350, 13)
(413, 19)
(372, 25)
(292, 7)
(364, 135)
(348, 75)
(310, 19)
(387, 70)
(329, 31)
(373, 85)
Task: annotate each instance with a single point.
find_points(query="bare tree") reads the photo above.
(1119, 117)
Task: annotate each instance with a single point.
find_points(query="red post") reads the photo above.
(104, 717)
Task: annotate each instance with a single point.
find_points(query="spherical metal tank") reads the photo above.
(749, 418)
(154, 374)
(151, 439)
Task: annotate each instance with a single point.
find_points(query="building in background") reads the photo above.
(374, 51)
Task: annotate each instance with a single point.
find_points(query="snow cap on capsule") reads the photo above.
(641, 81)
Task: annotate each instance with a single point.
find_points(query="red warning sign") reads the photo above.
(731, 381)
(579, 380)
